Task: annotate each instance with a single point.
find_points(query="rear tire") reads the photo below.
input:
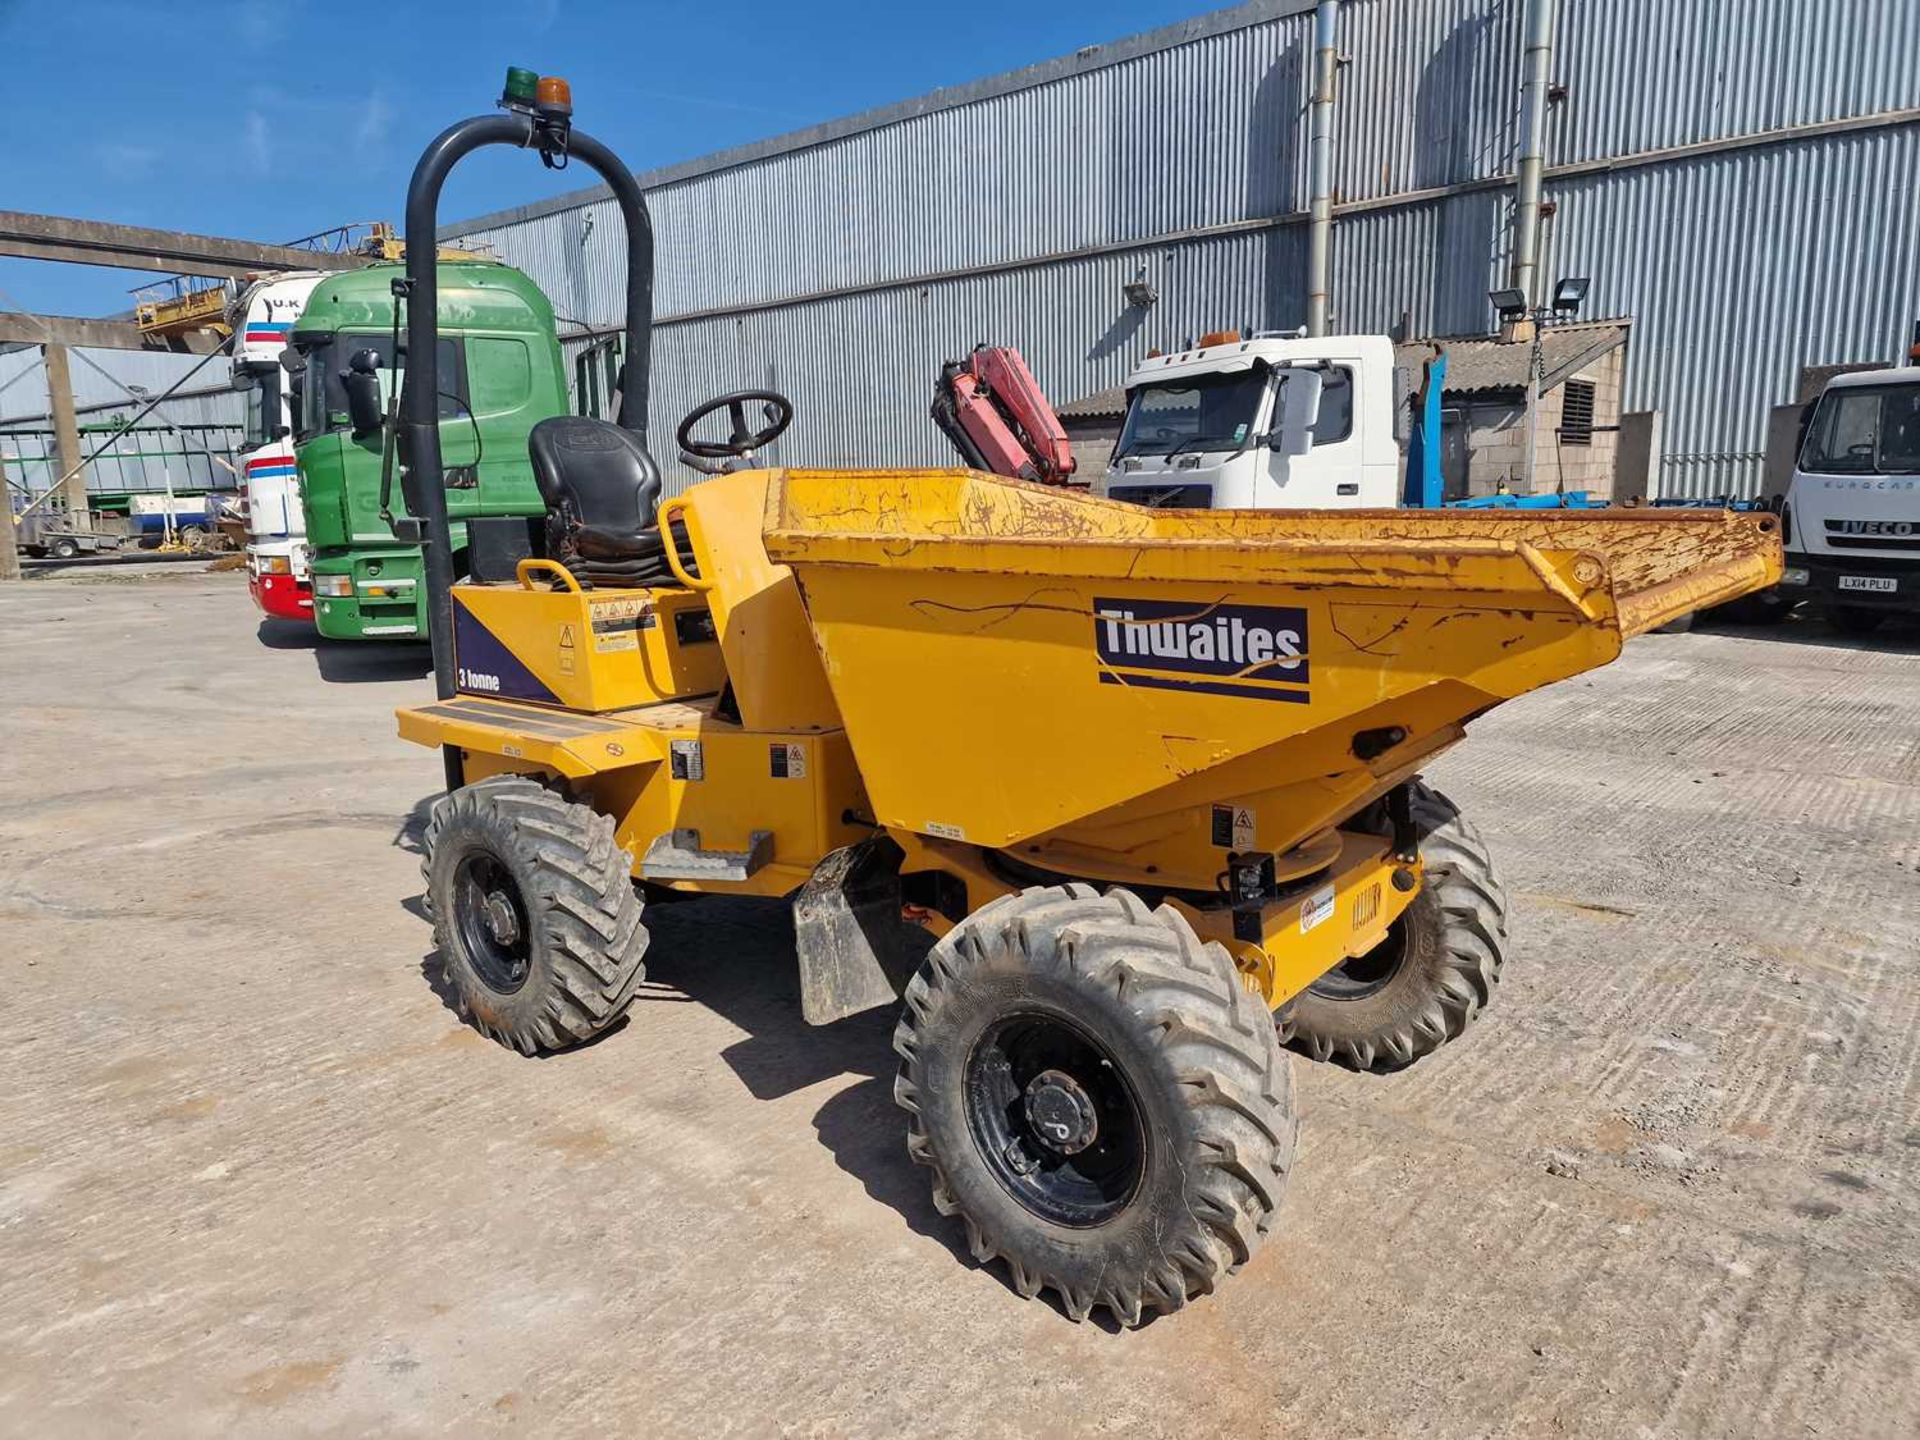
(1432, 975)
(534, 913)
(1855, 619)
(65, 550)
(1101, 1100)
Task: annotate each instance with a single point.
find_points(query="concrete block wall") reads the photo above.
(1497, 439)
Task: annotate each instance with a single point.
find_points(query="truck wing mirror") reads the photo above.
(1296, 411)
(361, 379)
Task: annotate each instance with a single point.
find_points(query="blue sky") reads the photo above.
(272, 120)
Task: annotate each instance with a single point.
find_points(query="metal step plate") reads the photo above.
(677, 855)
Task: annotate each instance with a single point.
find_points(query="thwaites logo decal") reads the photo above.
(1255, 651)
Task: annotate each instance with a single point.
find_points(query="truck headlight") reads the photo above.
(338, 587)
(275, 565)
(1794, 575)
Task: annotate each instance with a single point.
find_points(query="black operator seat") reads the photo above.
(600, 487)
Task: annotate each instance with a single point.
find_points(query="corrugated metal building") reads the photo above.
(1739, 180)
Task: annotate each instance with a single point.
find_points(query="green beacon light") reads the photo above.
(520, 89)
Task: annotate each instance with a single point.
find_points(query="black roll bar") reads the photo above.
(425, 485)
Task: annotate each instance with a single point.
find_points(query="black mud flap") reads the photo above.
(856, 951)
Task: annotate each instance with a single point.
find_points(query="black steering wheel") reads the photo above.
(775, 407)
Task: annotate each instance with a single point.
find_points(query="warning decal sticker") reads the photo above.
(617, 622)
(686, 761)
(1233, 827)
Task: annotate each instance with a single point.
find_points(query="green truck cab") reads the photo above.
(501, 374)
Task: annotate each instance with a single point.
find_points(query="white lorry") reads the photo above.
(1263, 424)
(277, 568)
(1851, 513)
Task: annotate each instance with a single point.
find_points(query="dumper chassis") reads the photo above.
(1106, 800)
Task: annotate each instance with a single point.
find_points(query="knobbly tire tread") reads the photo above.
(1464, 901)
(1225, 1080)
(590, 937)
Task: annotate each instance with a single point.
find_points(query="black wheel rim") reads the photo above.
(1367, 974)
(490, 918)
(1055, 1119)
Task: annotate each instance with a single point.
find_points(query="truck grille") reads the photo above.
(1164, 497)
(1873, 534)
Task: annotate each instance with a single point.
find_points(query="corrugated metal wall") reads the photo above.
(152, 371)
(1017, 212)
(191, 459)
(209, 412)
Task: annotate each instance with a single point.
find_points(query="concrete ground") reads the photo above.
(256, 1180)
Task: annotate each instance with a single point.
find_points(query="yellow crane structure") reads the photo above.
(181, 304)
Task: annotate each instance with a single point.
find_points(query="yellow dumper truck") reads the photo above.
(1116, 800)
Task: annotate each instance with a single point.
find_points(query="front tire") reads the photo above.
(534, 913)
(1101, 1100)
(1433, 974)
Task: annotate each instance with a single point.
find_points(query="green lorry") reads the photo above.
(501, 373)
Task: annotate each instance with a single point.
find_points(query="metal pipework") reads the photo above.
(1536, 67)
(425, 482)
(1326, 66)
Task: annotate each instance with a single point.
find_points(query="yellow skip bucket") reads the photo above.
(1014, 661)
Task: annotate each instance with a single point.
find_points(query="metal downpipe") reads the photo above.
(1326, 67)
(1536, 70)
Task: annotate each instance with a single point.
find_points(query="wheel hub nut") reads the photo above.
(501, 921)
(1060, 1112)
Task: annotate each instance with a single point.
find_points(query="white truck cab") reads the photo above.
(1261, 424)
(263, 319)
(1851, 517)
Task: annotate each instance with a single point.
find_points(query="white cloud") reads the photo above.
(259, 142)
(375, 124)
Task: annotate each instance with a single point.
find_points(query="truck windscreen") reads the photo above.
(1865, 430)
(1190, 413)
